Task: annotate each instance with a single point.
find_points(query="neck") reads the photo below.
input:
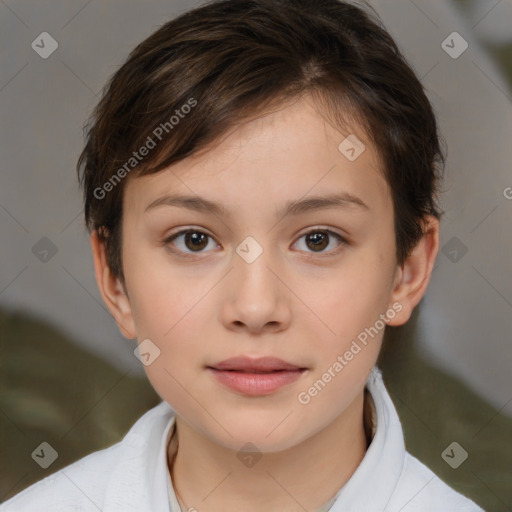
(209, 477)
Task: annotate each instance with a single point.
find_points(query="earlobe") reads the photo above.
(111, 289)
(413, 277)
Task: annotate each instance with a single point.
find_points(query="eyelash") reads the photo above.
(171, 238)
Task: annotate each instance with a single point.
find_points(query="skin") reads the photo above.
(302, 305)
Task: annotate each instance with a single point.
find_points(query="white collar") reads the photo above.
(372, 484)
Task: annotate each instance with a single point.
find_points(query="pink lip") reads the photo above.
(255, 377)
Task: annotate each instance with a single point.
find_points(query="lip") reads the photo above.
(255, 365)
(255, 376)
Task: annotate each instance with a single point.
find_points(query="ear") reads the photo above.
(412, 278)
(112, 290)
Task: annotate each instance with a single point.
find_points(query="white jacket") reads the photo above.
(132, 474)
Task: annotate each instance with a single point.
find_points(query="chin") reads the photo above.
(267, 436)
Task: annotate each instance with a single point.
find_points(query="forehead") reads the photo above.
(290, 153)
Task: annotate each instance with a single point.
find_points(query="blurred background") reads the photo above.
(70, 379)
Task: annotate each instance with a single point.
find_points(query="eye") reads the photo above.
(194, 240)
(319, 239)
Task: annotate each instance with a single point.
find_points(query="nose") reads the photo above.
(256, 299)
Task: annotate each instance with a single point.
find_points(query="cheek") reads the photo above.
(173, 320)
(169, 306)
(351, 307)
(354, 298)
(162, 296)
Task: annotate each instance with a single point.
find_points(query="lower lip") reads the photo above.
(256, 384)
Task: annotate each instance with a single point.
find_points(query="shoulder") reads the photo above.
(85, 484)
(78, 486)
(420, 489)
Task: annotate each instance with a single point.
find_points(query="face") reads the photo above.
(256, 279)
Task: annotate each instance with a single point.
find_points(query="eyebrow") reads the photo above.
(295, 207)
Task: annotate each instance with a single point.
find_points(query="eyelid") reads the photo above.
(327, 229)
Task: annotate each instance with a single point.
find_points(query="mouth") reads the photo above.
(255, 365)
(257, 371)
(256, 377)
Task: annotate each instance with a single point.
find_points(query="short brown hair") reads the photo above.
(229, 60)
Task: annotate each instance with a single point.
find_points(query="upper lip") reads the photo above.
(260, 364)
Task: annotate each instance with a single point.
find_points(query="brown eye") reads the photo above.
(192, 240)
(318, 240)
(196, 241)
